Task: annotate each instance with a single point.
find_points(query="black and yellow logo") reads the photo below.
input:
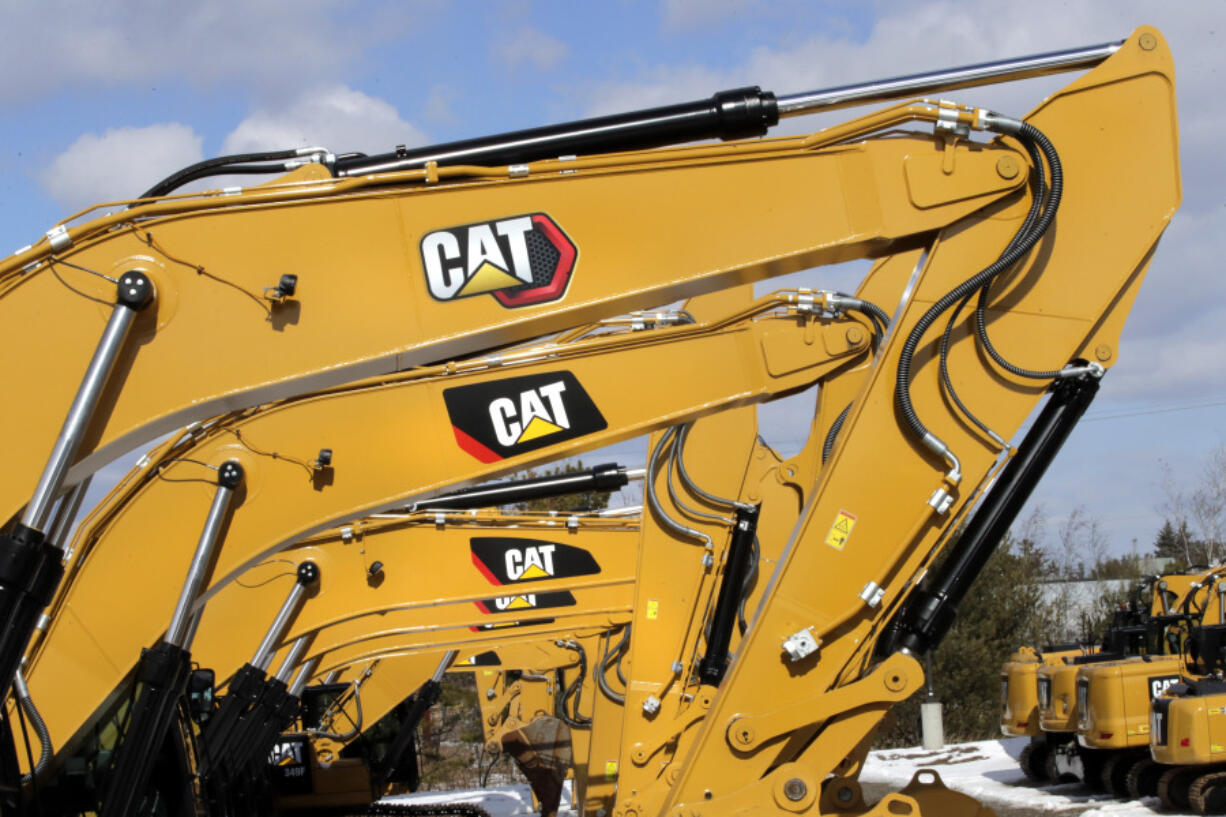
(520, 260)
(503, 560)
(503, 418)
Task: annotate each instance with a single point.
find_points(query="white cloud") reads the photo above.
(120, 164)
(265, 44)
(333, 116)
(531, 46)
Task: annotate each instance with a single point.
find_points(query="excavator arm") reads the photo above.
(1009, 267)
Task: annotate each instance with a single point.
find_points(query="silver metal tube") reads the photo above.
(292, 658)
(331, 677)
(66, 513)
(176, 634)
(443, 665)
(302, 676)
(264, 653)
(79, 413)
(964, 77)
(1221, 602)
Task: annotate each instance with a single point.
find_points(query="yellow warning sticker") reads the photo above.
(1215, 747)
(653, 609)
(840, 531)
(610, 770)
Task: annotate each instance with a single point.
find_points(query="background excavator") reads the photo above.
(1039, 693)
(986, 249)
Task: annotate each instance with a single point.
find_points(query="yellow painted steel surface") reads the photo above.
(860, 526)
(746, 749)
(1195, 731)
(702, 219)
(1019, 689)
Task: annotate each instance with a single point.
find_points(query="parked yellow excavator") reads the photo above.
(388, 333)
(1114, 697)
(1136, 628)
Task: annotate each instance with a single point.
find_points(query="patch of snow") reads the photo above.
(988, 771)
(499, 801)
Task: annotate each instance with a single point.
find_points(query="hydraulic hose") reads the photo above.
(832, 435)
(235, 163)
(1023, 241)
(40, 726)
(611, 655)
(572, 718)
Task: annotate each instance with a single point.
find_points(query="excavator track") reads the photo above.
(1033, 761)
(411, 810)
(1143, 779)
(1207, 794)
(1173, 787)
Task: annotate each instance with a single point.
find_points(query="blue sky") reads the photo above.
(100, 100)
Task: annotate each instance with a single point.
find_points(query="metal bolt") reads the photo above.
(489, 693)
(1007, 167)
(845, 794)
(854, 335)
(795, 789)
(1148, 42)
(1102, 352)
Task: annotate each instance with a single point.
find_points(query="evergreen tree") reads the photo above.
(582, 501)
(1003, 610)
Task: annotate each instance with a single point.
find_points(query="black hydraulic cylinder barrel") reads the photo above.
(161, 679)
(243, 692)
(930, 612)
(608, 477)
(30, 571)
(394, 765)
(735, 114)
(713, 665)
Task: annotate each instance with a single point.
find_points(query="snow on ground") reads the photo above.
(499, 801)
(988, 771)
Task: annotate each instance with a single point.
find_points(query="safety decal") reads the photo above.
(505, 561)
(840, 531)
(502, 418)
(653, 609)
(520, 260)
(526, 601)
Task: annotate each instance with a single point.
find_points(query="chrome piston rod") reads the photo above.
(308, 574)
(948, 79)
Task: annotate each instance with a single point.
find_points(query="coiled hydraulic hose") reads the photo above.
(40, 727)
(1023, 241)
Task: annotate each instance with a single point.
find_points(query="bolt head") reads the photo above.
(795, 789)
(1007, 167)
(854, 335)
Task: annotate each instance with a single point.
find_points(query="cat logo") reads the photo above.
(526, 601)
(520, 260)
(501, 418)
(504, 560)
(1159, 684)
